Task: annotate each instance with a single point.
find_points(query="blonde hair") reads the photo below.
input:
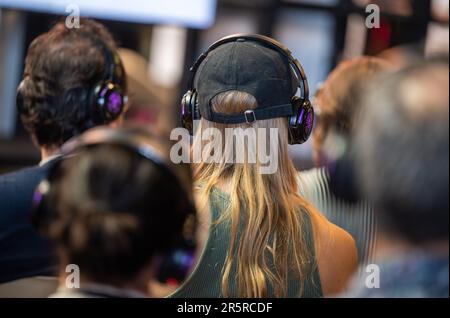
(273, 220)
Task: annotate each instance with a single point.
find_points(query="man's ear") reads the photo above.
(318, 155)
(335, 146)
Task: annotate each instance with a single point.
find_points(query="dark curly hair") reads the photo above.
(61, 68)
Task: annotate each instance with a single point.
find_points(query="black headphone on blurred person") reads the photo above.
(107, 95)
(301, 118)
(177, 263)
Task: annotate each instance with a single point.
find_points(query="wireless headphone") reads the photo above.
(176, 264)
(107, 96)
(300, 123)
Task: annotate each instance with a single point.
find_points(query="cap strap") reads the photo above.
(251, 115)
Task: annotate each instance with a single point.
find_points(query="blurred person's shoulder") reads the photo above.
(23, 176)
(336, 253)
(15, 175)
(17, 187)
(23, 252)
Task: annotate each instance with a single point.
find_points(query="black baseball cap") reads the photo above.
(246, 65)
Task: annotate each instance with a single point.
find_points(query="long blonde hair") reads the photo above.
(273, 224)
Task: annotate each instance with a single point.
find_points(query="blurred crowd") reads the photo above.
(108, 202)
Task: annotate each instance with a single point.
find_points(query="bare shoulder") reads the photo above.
(336, 253)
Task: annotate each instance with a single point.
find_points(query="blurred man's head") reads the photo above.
(403, 142)
(63, 67)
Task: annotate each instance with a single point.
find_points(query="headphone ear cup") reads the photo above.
(109, 98)
(194, 106)
(186, 112)
(308, 120)
(189, 110)
(301, 122)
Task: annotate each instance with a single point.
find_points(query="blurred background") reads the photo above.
(160, 39)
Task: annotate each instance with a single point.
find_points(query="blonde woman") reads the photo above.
(261, 239)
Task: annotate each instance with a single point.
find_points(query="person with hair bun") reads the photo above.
(117, 211)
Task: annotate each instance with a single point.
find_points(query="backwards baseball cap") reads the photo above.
(246, 65)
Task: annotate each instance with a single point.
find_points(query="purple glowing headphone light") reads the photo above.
(114, 104)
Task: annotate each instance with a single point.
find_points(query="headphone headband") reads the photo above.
(114, 70)
(108, 94)
(264, 40)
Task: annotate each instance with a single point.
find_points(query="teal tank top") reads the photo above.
(206, 279)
